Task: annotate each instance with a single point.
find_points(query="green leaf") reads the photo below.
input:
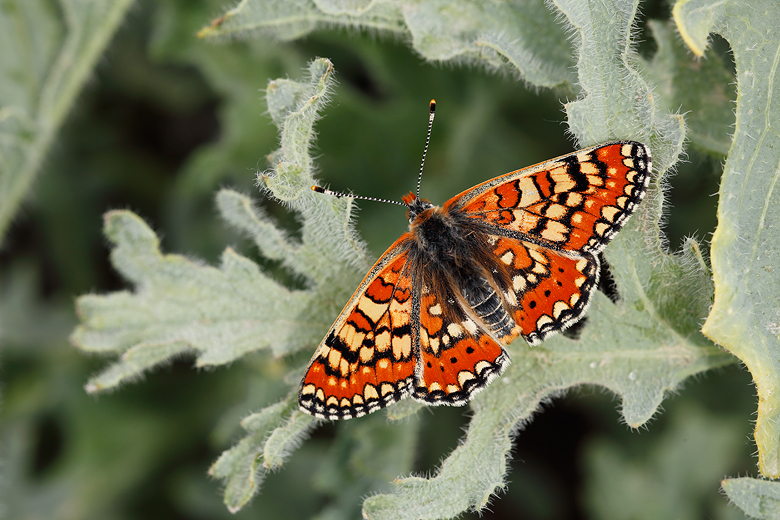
(180, 306)
(220, 314)
(696, 20)
(47, 52)
(272, 433)
(702, 89)
(759, 499)
(614, 351)
(641, 347)
(520, 36)
(745, 258)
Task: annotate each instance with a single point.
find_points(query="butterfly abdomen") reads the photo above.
(484, 301)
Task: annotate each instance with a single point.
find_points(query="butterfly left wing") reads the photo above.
(366, 361)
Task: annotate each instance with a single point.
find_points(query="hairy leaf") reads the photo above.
(760, 499)
(220, 314)
(181, 306)
(641, 347)
(243, 467)
(522, 36)
(702, 89)
(745, 316)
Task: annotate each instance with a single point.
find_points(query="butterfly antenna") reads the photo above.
(431, 112)
(339, 194)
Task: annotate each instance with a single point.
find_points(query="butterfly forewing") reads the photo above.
(367, 360)
(576, 202)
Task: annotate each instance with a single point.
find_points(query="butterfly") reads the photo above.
(514, 256)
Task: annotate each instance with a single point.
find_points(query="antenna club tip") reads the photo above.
(432, 106)
(318, 189)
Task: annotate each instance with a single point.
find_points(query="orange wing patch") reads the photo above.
(549, 289)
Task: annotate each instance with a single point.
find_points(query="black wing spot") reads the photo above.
(453, 360)
(532, 304)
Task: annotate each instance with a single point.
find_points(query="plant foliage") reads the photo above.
(260, 311)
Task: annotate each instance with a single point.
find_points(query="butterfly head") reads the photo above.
(416, 205)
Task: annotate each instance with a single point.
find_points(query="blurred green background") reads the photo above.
(165, 121)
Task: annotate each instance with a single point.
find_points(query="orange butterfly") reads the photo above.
(513, 256)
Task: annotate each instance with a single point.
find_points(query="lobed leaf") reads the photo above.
(221, 314)
(745, 315)
(243, 467)
(641, 347)
(180, 306)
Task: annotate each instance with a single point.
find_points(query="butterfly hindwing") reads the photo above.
(367, 360)
(457, 356)
(547, 290)
(576, 202)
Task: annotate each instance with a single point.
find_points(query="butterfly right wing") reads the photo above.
(367, 359)
(545, 290)
(576, 202)
(548, 222)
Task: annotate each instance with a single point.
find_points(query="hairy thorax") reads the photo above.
(444, 247)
